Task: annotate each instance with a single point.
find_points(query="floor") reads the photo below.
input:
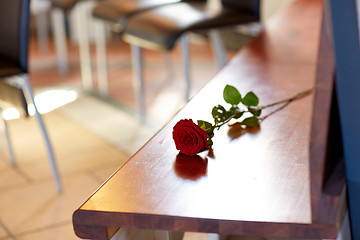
(91, 136)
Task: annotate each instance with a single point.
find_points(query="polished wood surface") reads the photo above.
(254, 182)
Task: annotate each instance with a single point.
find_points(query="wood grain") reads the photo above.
(254, 182)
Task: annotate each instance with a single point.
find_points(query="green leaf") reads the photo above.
(250, 122)
(208, 127)
(250, 99)
(204, 124)
(219, 113)
(238, 114)
(254, 111)
(231, 95)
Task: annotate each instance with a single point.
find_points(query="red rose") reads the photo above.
(189, 138)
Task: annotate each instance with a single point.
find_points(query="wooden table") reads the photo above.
(255, 182)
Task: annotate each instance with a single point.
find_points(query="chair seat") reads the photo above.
(159, 28)
(117, 12)
(15, 96)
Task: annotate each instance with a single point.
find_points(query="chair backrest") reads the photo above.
(252, 6)
(14, 31)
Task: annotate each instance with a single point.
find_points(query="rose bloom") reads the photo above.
(189, 138)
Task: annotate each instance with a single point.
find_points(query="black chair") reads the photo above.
(15, 86)
(159, 29)
(115, 14)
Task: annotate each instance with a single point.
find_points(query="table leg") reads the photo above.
(146, 234)
(203, 236)
(161, 235)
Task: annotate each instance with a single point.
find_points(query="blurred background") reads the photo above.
(92, 134)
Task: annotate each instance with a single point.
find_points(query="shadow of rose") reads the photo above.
(190, 167)
(236, 130)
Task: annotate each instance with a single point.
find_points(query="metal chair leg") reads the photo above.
(57, 21)
(186, 64)
(8, 141)
(81, 16)
(218, 48)
(41, 31)
(23, 82)
(138, 80)
(169, 66)
(101, 60)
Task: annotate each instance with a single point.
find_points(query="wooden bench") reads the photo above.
(274, 181)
